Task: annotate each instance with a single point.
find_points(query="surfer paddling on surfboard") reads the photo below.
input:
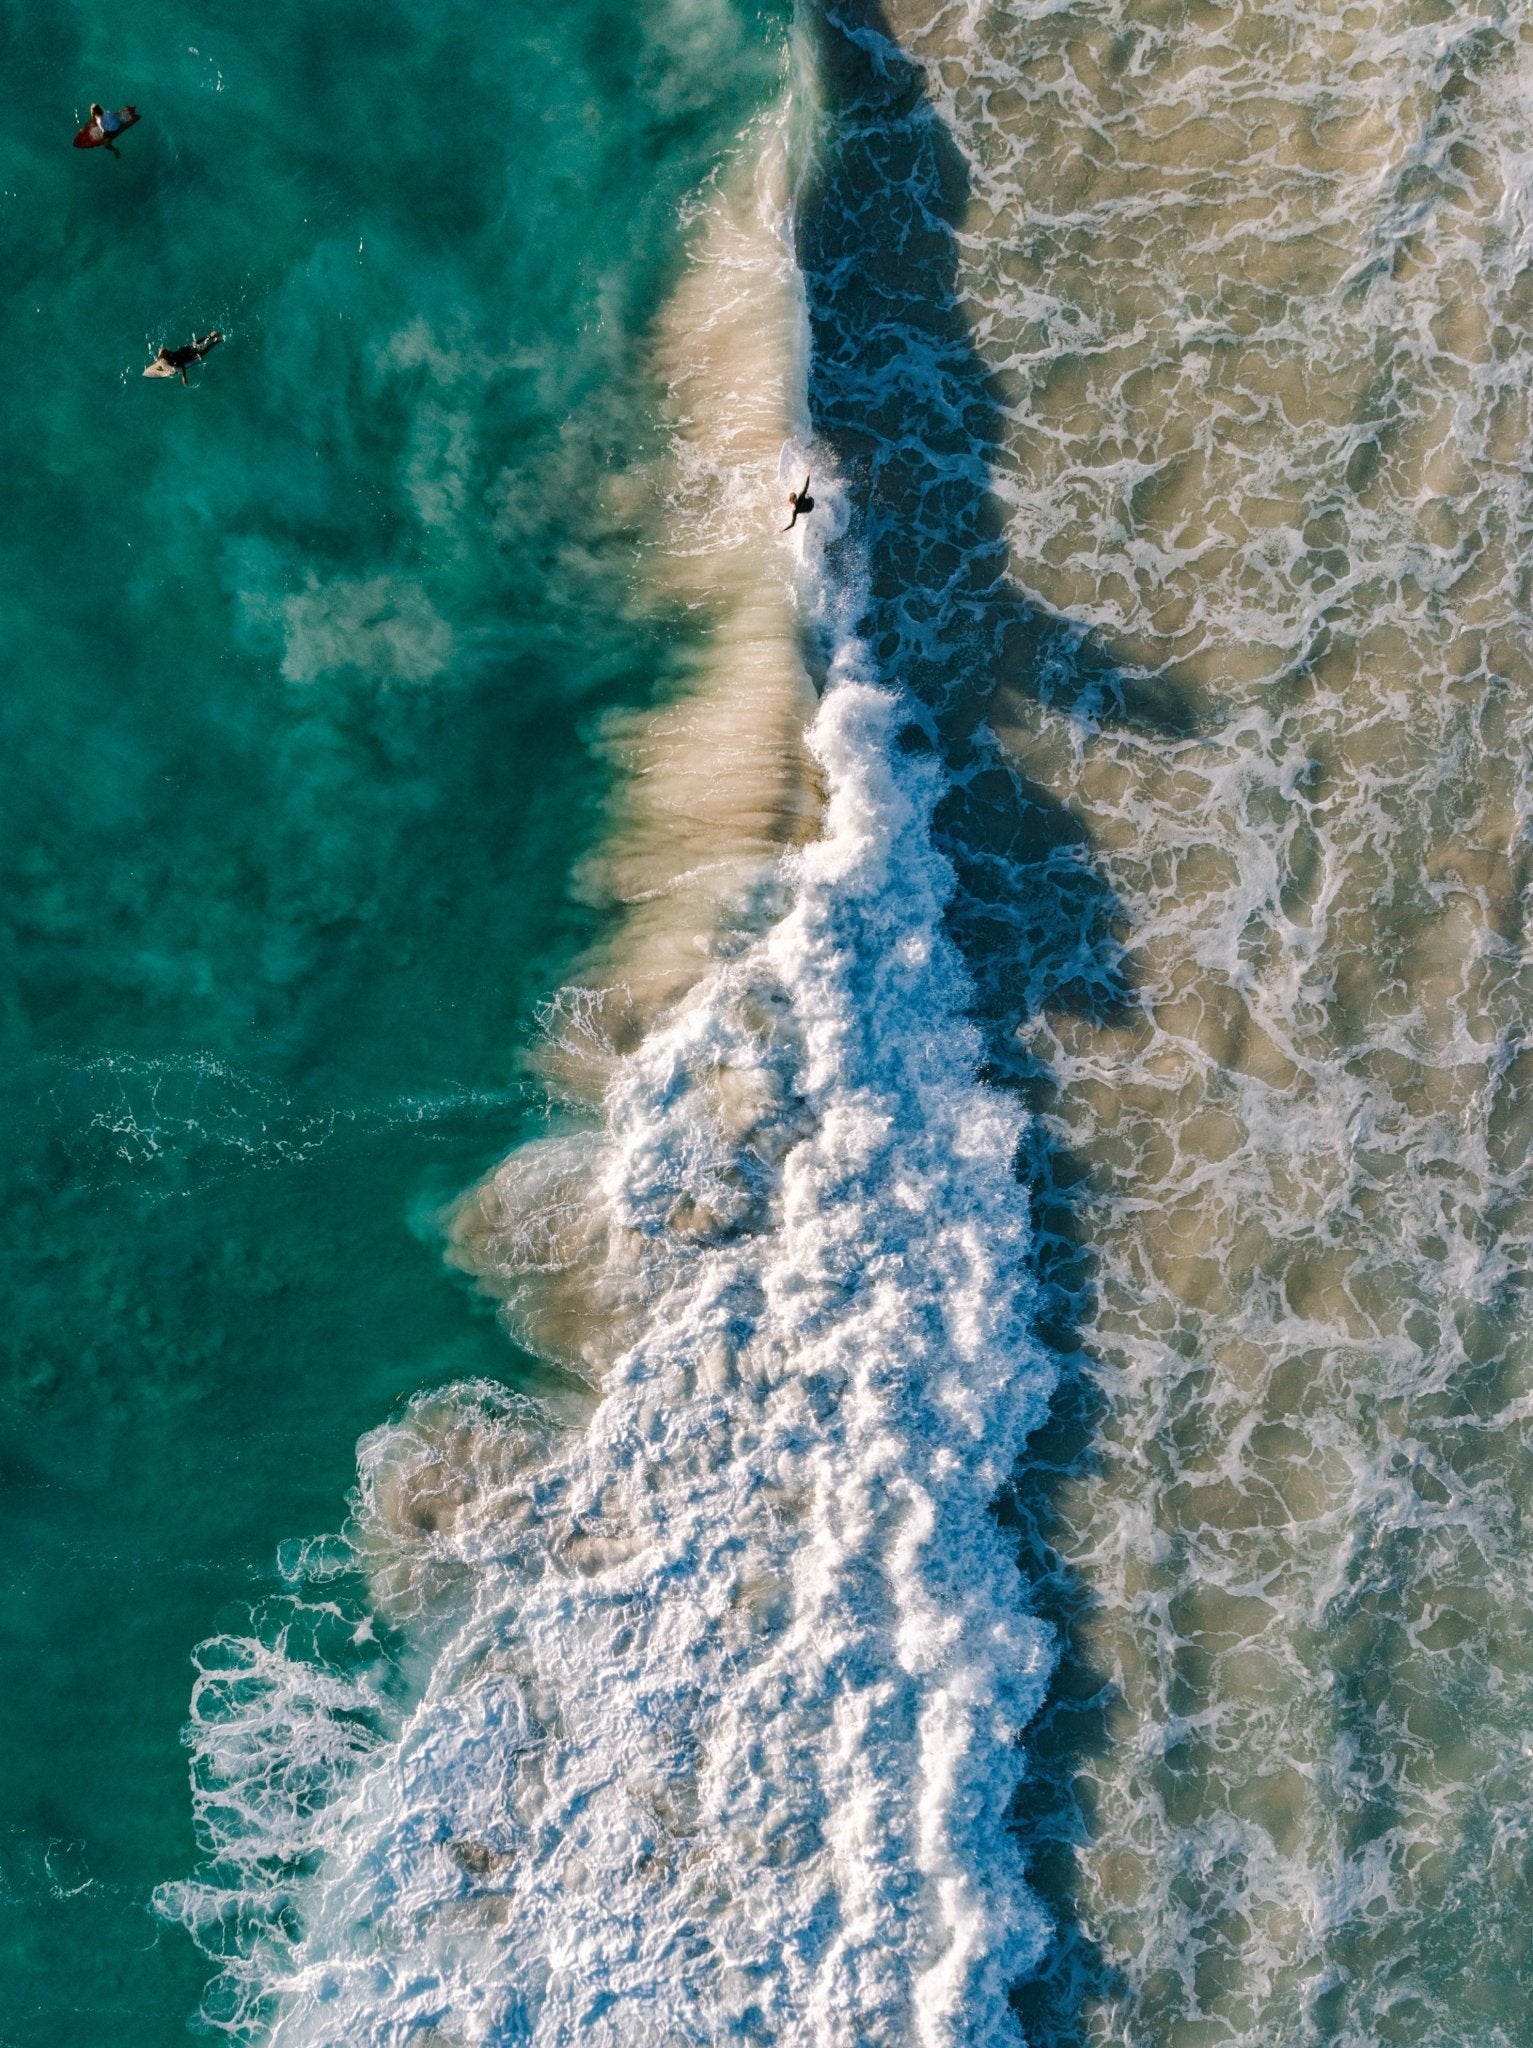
(798, 501)
(174, 362)
(103, 126)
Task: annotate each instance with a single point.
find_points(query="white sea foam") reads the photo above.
(720, 1725)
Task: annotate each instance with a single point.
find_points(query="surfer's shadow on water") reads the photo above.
(907, 417)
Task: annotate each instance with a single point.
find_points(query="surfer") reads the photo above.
(174, 362)
(798, 501)
(103, 125)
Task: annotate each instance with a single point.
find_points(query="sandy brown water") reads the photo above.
(1200, 482)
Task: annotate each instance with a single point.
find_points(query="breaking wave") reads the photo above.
(687, 1705)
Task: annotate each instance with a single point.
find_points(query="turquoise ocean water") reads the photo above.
(1034, 1181)
(301, 668)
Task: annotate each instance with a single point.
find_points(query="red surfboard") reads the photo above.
(91, 137)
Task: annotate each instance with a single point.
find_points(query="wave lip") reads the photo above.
(902, 1250)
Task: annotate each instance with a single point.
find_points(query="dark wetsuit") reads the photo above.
(182, 358)
(798, 501)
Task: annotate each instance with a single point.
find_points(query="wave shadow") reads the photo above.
(902, 398)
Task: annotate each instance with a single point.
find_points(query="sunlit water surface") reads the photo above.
(1114, 1111)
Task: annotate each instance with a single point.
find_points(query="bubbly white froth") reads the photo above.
(720, 1728)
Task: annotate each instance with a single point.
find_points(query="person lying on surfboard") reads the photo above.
(798, 501)
(103, 125)
(174, 362)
